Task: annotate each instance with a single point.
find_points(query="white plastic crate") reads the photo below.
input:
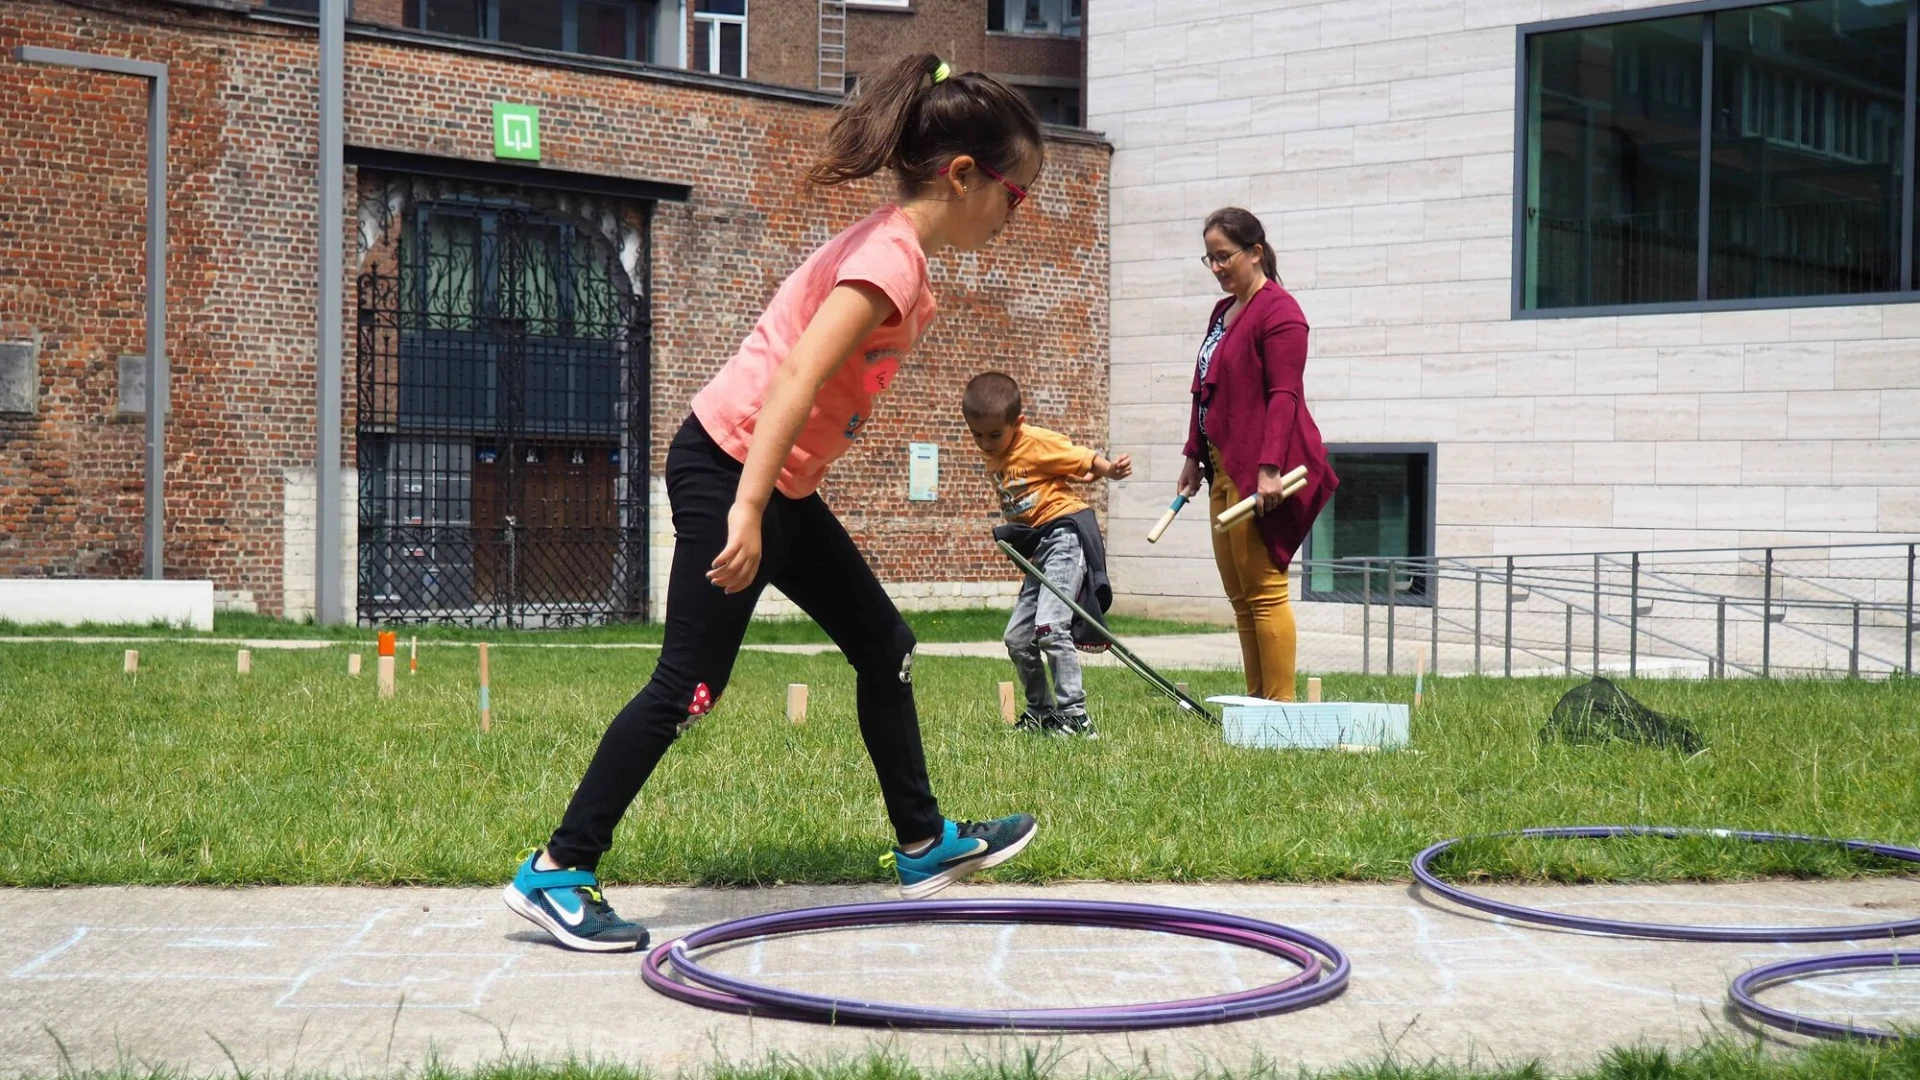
(1275, 725)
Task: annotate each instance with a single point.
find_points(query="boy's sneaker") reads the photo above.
(1077, 724)
(568, 905)
(963, 847)
(1039, 723)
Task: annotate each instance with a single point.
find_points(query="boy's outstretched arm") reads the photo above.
(1117, 469)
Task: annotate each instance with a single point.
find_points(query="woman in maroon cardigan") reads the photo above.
(1249, 427)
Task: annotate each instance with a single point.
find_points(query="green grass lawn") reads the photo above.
(296, 774)
(959, 624)
(1719, 1060)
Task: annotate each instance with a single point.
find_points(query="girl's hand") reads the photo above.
(739, 562)
(1269, 491)
(1189, 479)
(1120, 468)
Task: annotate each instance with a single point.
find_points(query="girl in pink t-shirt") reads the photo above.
(744, 471)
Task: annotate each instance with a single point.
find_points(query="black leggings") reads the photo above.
(807, 554)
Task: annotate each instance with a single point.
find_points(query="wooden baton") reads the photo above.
(1290, 485)
(1166, 519)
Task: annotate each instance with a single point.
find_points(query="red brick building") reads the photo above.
(522, 337)
(1037, 45)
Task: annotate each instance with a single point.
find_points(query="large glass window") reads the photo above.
(720, 37)
(1795, 111)
(1053, 17)
(1613, 192)
(1384, 510)
(1808, 119)
(616, 29)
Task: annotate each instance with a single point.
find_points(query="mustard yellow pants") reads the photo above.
(1258, 591)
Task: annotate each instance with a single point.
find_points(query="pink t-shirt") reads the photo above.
(882, 251)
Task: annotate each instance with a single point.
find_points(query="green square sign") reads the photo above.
(516, 131)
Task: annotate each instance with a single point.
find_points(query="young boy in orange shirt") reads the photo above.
(1031, 470)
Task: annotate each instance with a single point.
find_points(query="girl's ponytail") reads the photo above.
(915, 116)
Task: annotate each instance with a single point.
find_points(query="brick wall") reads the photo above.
(953, 29)
(1029, 54)
(241, 291)
(783, 42)
(783, 37)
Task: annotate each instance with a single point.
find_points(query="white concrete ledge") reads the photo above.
(138, 602)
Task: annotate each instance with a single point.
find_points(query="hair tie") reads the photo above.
(940, 72)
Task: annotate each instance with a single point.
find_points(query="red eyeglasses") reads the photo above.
(1015, 193)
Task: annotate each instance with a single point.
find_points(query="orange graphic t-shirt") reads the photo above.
(1031, 477)
(882, 251)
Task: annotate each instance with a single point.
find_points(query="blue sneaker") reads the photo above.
(568, 905)
(963, 847)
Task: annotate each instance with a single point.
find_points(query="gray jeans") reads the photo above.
(1038, 633)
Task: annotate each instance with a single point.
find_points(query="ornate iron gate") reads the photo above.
(503, 362)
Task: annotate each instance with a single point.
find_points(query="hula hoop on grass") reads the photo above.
(1760, 978)
(1422, 869)
(1323, 975)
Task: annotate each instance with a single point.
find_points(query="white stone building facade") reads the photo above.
(1376, 139)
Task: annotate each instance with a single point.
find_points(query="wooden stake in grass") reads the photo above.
(388, 646)
(245, 661)
(486, 704)
(132, 663)
(1008, 711)
(413, 657)
(353, 664)
(1313, 689)
(797, 703)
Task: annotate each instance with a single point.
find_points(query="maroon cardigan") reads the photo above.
(1257, 413)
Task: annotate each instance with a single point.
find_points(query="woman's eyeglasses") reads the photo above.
(1214, 262)
(1015, 193)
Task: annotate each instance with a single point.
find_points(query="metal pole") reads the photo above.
(1366, 618)
(1476, 620)
(1853, 654)
(1910, 626)
(1433, 611)
(1507, 636)
(329, 603)
(1392, 608)
(154, 542)
(1596, 614)
(1766, 622)
(1568, 660)
(158, 370)
(1720, 637)
(1633, 621)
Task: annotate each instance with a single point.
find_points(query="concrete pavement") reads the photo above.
(364, 980)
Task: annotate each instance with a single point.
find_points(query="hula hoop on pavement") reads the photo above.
(1323, 975)
(1422, 870)
(1753, 982)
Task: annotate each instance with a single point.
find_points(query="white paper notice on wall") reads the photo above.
(923, 471)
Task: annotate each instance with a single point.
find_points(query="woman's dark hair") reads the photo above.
(902, 120)
(1245, 230)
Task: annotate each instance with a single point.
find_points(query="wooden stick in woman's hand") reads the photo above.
(1166, 519)
(1290, 485)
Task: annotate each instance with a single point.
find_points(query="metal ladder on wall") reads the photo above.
(833, 46)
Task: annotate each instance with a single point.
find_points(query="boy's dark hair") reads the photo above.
(992, 395)
(1241, 227)
(902, 120)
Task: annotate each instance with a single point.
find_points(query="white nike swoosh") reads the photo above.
(574, 919)
(981, 850)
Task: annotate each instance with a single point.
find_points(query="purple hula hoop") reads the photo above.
(1760, 978)
(1422, 869)
(1323, 975)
